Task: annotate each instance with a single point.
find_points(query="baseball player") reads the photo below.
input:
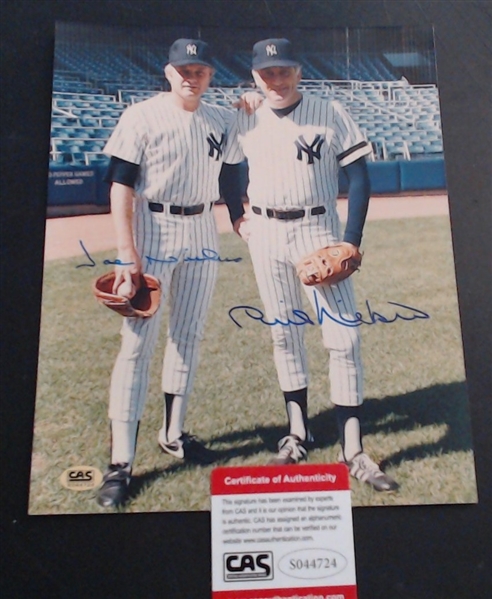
(295, 145)
(166, 158)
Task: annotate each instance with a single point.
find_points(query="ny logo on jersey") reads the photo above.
(271, 50)
(215, 146)
(312, 151)
(191, 49)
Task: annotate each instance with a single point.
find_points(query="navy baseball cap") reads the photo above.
(189, 51)
(273, 52)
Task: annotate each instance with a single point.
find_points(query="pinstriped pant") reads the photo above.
(275, 247)
(169, 246)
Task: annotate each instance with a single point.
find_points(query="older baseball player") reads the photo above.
(295, 145)
(166, 158)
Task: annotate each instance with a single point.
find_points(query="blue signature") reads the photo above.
(207, 255)
(300, 318)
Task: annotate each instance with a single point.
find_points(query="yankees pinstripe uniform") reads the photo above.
(295, 146)
(174, 144)
(179, 167)
(293, 166)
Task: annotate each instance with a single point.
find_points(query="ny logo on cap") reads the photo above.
(191, 49)
(271, 50)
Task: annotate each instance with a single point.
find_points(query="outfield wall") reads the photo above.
(83, 186)
(399, 176)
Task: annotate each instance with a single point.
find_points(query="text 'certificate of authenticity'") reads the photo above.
(282, 532)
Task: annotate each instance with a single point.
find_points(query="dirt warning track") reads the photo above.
(66, 237)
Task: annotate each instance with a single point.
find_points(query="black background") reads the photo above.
(424, 552)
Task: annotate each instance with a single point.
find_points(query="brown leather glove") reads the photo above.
(329, 265)
(142, 305)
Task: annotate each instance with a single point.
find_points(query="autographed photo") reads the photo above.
(245, 381)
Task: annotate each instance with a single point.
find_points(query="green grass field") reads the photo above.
(415, 416)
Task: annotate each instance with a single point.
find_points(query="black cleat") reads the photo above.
(187, 447)
(114, 489)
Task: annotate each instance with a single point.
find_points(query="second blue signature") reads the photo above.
(301, 318)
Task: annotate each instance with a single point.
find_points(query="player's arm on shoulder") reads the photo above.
(121, 176)
(359, 190)
(249, 101)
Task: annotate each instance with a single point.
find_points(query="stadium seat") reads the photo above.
(108, 122)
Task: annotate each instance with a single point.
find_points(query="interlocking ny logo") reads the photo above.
(271, 49)
(312, 151)
(215, 146)
(191, 49)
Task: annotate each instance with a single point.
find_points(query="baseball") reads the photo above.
(126, 289)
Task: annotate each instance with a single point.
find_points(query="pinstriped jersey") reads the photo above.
(180, 153)
(294, 159)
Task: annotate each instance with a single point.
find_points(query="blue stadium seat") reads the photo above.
(89, 122)
(109, 122)
(96, 158)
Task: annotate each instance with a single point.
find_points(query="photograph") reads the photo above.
(248, 261)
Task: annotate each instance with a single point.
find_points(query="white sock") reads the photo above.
(296, 420)
(123, 441)
(352, 445)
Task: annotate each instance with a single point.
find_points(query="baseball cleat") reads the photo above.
(114, 489)
(187, 447)
(290, 451)
(364, 469)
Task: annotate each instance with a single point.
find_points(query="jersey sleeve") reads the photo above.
(349, 142)
(359, 191)
(128, 138)
(121, 171)
(233, 152)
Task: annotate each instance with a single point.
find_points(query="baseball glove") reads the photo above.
(329, 265)
(143, 304)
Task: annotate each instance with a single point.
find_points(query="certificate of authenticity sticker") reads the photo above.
(282, 532)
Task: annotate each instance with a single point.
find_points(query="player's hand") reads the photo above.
(249, 102)
(241, 227)
(127, 273)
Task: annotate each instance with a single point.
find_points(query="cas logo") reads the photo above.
(248, 566)
(81, 478)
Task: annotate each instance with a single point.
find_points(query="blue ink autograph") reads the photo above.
(207, 255)
(106, 262)
(300, 317)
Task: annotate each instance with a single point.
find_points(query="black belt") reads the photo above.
(182, 210)
(288, 214)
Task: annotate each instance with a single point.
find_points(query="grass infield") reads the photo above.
(415, 419)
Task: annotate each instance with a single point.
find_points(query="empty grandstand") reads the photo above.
(391, 93)
(401, 121)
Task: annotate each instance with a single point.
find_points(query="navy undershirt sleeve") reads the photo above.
(122, 171)
(230, 189)
(359, 190)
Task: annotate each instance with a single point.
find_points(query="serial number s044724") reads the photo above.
(315, 563)
(312, 563)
